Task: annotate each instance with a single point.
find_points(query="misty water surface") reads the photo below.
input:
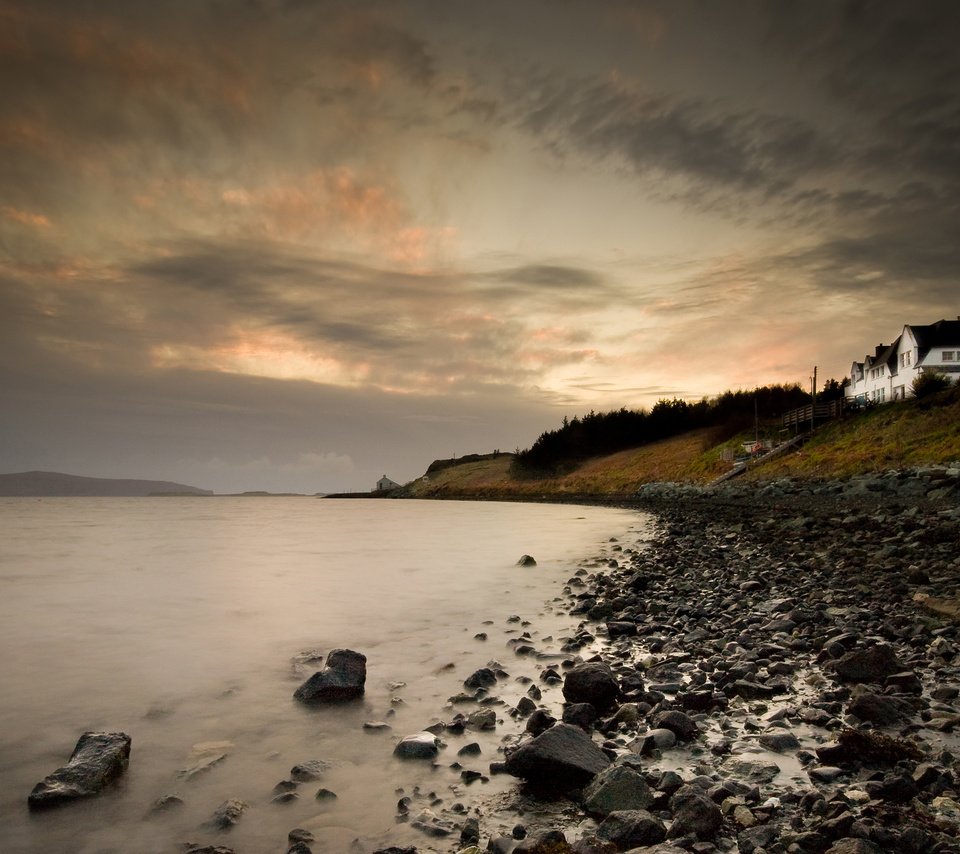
(179, 621)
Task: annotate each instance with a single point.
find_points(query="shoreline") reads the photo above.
(748, 615)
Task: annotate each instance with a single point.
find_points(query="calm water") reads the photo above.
(179, 621)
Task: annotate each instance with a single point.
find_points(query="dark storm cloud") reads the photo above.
(894, 66)
(551, 276)
(693, 140)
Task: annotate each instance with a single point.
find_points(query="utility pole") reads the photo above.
(813, 395)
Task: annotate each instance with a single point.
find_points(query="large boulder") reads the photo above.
(877, 708)
(868, 664)
(564, 757)
(98, 759)
(592, 682)
(343, 678)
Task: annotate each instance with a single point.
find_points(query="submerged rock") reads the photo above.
(227, 814)
(420, 745)
(311, 769)
(343, 678)
(98, 759)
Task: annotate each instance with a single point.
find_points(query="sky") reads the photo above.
(294, 245)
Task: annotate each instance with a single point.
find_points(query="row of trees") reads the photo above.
(596, 434)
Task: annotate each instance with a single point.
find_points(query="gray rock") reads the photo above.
(750, 771)
(877, 708)
(779, 742)
(552, 840)
(655, 739)
(343, 678)
(481, 678)
(563, 757)
(617, 788)
(694, 814)
(593, 683)
(825, 773)
(751, 690)
(679, 723)
(202, 765)
(757, 838)
(428, 822)
(540, 721)
(579, 714)
(854, 846)
(632, 829)
(470, 832)
(165, 803)
(420, 745)
(227, 814)
(482, 719)
(97, 760)
(868, 664)
(312, 769)
(208, 849)
(526, 560)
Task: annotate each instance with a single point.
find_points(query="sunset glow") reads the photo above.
(479, 221)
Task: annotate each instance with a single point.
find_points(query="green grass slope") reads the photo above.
(897, 435)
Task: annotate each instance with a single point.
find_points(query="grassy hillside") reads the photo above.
(897, 435)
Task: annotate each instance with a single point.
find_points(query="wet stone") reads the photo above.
(98, 759)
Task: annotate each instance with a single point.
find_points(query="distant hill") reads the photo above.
(55, 484)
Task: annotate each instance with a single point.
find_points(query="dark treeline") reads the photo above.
(600, 433)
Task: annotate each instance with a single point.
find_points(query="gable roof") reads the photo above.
(939, 334)
(888, 356)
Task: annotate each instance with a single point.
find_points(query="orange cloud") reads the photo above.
(105, 47)
(26, 217)
(20, 132)
(263, 354)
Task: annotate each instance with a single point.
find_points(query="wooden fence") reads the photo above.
(808, 414)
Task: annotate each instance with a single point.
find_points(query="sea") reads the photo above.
(188, 623)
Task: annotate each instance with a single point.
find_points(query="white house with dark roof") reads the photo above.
(385, 484)
(888, 373)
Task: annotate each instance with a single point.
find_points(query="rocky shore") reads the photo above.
(774, 669)
(777, 671)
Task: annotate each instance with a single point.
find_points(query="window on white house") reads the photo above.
(949, 355)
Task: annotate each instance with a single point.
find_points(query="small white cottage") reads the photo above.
(385, 483)
(889, 372)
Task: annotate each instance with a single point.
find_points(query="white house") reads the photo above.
(385, 483)
(888, 373)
